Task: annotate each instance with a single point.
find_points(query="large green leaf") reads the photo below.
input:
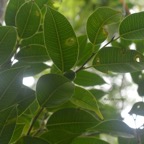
(53, 90)
(33, 68)
(71, 120)
(8, 119)
(98, 20)
(32, 54)
(86, 100)
(137, 109)
(60, 40)
(88, 140)
(28, 19)
(11, 11)
(86, 78)
(118, 60)
(132, 27)
(31, 140)
(59, 136)
(115, 127)
(37, 39)
(10, 85)
(8, 37)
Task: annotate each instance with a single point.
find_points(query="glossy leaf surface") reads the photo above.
(118, 60)
(53, 90)
(60, 40)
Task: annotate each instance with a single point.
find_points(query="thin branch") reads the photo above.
(93, 54)
(34, 120)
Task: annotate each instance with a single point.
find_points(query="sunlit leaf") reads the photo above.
(132, 27)
(8, 119)
(118, 60)
(11, 11)
(8, 37)
(53, 90)
(98, 20)
(60, 40)
(86, 100)
(115, 127)
(86, 78)
(138, 109)
(71, 120)
(28, 19)
(88, 140)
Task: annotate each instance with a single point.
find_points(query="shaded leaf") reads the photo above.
(97, 93)
(17, 132)
(28, 19)
(10, 85)
(118, 60)
(98, 20)
(36, 39)
(88, 140)
(33, 68)
(138, 109)
(115, 127)
(31, 140)
(86, 78)
(53, 90)
(71, 120)
(86, 100)
(32, 54)
(25, 98)
(11, 11)
(132, 27)
(59, 136)
(60, 40)
(8, 37)
(8, 119)
(140, 89)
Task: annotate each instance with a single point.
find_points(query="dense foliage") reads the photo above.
(70, 67)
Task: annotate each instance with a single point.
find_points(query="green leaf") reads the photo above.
(132, 27)
(31, 140)
(86, 78)
(71, 75)
(36, 39)
(60, 40)
(17, 132)
(8, 37)
(88, 140)
(53, 90)
(59, 136)
(10, 86)
(28, 19)
(33, 68)
(98, 20)
(97, 93)
(71, 120)
(32, 54)
(8, 119)
(86, 100)
(140, 89)
(138, 109)
(11, 11)
(85, 50)
(118, 60)
(42, 3)
(115, 127)
(25, 98)
(127, 140)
